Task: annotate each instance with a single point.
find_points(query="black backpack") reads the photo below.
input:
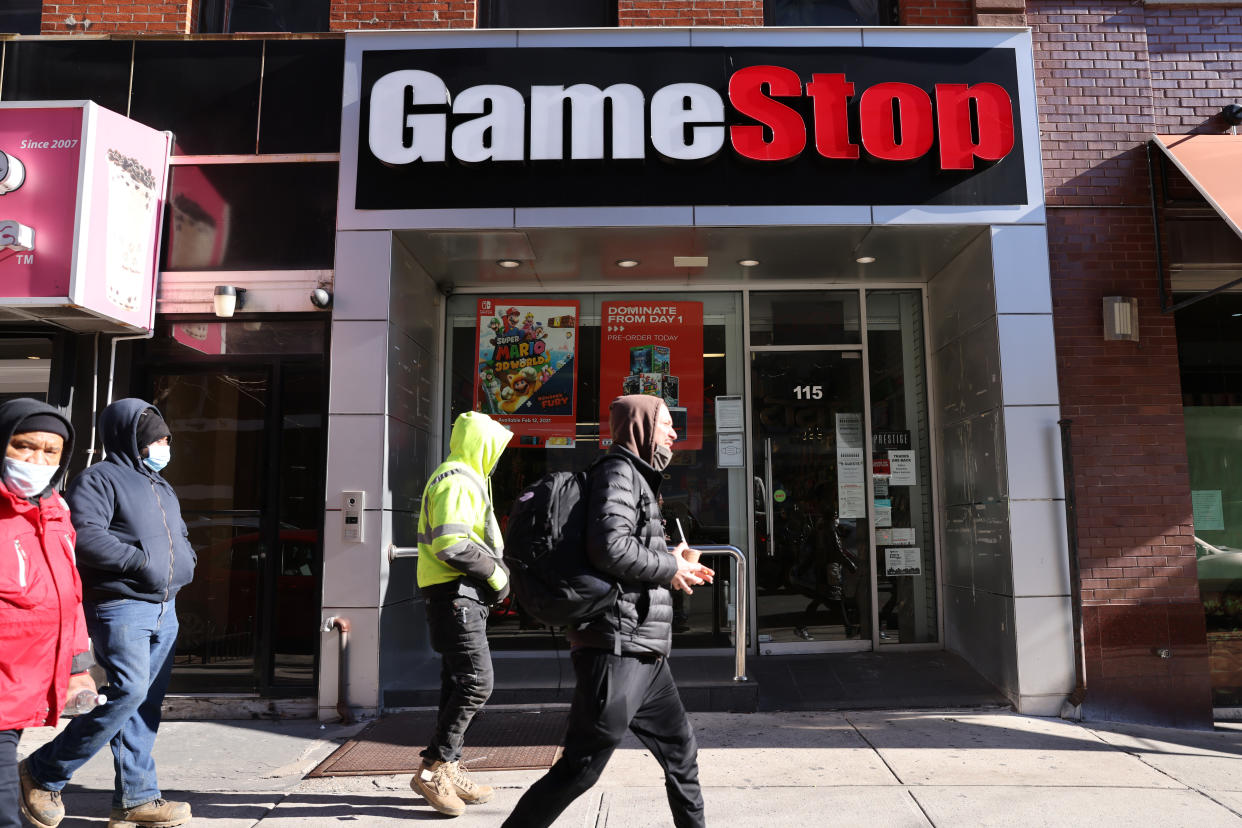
(545, 550)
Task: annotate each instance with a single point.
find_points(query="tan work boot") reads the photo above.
(158, 813)
(42, 808)
(435, 783)
(470, 791)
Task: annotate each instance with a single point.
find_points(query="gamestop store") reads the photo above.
(825, 249)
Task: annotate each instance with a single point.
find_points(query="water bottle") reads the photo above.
(84, 702)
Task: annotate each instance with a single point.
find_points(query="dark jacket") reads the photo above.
(42, 630)
(625, 539)
(132, 542)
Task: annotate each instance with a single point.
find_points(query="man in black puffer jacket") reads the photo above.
(621, 658)
(133, 554)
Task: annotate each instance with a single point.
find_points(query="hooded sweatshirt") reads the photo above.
(625, 538)
(132, 542)
(457, 530)
(42, 631)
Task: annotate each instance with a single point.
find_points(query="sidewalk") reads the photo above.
(883, 768)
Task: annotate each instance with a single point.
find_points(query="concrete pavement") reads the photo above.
(884, 768)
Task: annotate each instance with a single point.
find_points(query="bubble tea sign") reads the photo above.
(90, 204)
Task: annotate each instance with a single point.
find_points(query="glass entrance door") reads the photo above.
(248, 446)
(812, 550)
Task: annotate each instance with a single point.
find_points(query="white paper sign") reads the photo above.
(851, 469)
(903, 468)
(729, 448)
(1208, 511)
(883, 537)
(880, 485)
(901, 536)
(903, 560)
(730, 416)
(883, 512)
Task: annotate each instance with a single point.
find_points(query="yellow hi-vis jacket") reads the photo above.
(457, 529)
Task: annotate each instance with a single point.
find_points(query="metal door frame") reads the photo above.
(936, 530)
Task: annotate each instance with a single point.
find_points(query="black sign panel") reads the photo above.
(655, 179)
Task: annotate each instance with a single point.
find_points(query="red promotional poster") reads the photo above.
(654, 346)
(527, 374)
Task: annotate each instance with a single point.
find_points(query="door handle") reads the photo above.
(768, 502)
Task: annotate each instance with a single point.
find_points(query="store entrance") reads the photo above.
(248, 446)
(811, 548)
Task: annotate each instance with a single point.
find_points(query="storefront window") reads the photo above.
(703, 488)
(1209, 344)
(25, 367)
(901, 468)
(802, 318)
(250, 217)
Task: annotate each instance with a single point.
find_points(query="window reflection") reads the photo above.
(251, 217)
(68, 70)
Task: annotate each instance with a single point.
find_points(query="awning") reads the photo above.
(1213, 165)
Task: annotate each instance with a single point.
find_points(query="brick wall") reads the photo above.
(936, 12)
(690, 12)
(1109, 73)
(1196, 65)
(117, 16)
(402, 14)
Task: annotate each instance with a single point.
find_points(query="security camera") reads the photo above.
(321, 298)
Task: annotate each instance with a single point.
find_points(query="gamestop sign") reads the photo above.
(646, 127)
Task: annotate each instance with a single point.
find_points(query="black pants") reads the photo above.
(10, 786)
(613, 693)
(459, 634)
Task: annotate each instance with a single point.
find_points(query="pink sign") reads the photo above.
(93, 200)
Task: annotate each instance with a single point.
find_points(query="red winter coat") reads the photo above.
(41, 623)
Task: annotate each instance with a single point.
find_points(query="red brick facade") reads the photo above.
(402, 14)
(1109, 74)
(174, 16)
(690, 12)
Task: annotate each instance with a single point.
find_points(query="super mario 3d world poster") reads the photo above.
(527, 373)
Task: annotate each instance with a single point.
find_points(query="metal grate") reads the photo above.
(497, 740)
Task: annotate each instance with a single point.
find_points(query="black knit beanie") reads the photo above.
(43, 422)
(151, 427)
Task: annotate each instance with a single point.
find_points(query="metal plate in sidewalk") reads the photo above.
(497, 740)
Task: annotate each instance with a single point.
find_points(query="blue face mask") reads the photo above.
(157, 456)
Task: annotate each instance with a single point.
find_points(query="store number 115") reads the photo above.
(809, 392)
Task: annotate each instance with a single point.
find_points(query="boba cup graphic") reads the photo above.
(131, 215)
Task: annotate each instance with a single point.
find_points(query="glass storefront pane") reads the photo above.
(25, 367)
(707, 498)
(805, 318)
(250, 217)
(812, 552)
(901, 468)
(68, 70)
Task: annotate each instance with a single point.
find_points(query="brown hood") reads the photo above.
(632, 421)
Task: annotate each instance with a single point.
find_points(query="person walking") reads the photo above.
(44, 651)
(621, 658)
(134, 555)
(460, 575)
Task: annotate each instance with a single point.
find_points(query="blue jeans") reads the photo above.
(134, 642)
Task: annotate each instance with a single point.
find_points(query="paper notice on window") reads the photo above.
(730, 415)
(729, 447)
(901, 536)
(880, 485)
(903, 560)
(851, 467)
(883, 537)
(883, 512)
(1209, 515)
(903, 470)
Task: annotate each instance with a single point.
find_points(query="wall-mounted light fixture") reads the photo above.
(1121, 319)
(321, 298)
(1232, 114)
(228, 299)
